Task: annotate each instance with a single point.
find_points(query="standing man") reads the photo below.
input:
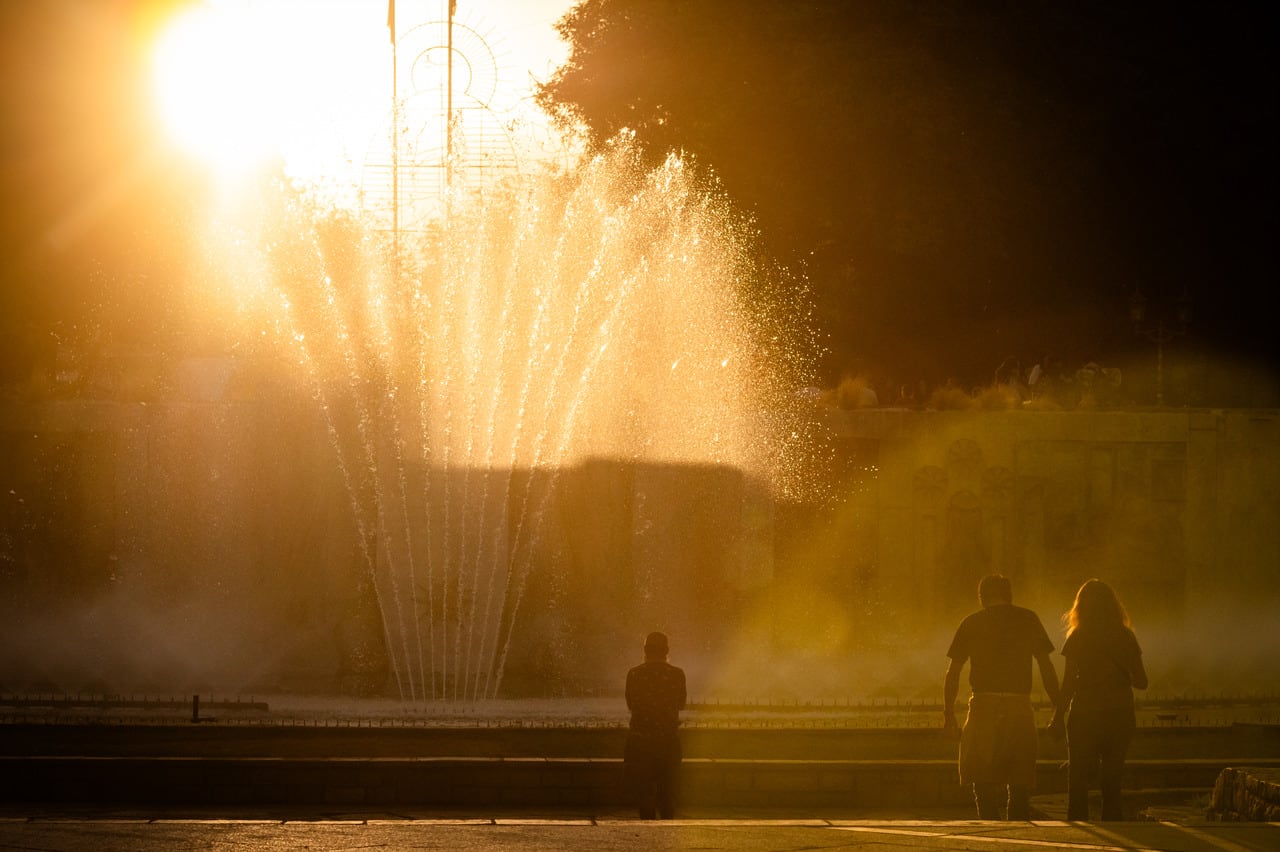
(655, 697)
(998, 743)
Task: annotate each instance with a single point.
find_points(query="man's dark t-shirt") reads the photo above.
(999, 641)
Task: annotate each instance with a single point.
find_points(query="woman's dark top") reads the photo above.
(1106, 662)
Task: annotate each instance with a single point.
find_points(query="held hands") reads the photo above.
(1058, 726)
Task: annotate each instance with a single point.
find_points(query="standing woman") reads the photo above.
(1103, 667)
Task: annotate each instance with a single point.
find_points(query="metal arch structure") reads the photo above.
(444, 134)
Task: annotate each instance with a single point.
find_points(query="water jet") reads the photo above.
(571, 339)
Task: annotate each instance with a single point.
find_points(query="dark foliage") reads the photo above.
(962, 180)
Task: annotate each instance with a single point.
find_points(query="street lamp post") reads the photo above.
(1161, 333)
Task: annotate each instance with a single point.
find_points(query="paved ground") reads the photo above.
(88, 830)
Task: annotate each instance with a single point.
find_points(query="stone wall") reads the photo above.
(1175, 507)
(1178, 510)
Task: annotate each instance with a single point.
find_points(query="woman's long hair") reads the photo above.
(1096, 605)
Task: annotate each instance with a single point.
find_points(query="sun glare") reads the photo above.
(214, 89)
(237, 82)
(310, 81)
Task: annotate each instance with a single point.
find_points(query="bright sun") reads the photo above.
(310, 81)
(214, 89)
(237, 82)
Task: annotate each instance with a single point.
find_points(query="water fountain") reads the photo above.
(616, 313)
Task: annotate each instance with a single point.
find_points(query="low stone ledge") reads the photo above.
(1246, 794)
(515, 782)
(72, 740)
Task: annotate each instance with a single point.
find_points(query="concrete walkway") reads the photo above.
(105, 831)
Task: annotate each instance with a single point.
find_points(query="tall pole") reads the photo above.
(1161, 336)
(448, 120)
(395, 143)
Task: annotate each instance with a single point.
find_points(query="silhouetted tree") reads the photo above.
(960, 179)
